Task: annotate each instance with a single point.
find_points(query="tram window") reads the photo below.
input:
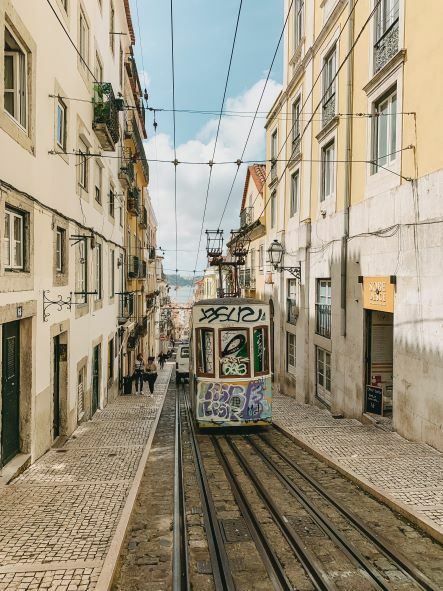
(234, 352)
(260, 350)
(205, 352)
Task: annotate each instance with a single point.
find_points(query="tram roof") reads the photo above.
(229, 302)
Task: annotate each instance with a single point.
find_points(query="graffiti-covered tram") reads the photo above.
(230, 377)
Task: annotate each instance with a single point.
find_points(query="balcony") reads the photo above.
(150, 302)
(105, 122)
(125, 307)
(142, 326)
(246, 216)
(292, 311)
(151, 253)
(134, 200)
(139, 146)
(328, 109)
(142, 268)
(143, 218)
(323, 320)
(132, 340)
(273, 170)
(133, 266)
(296, 144)
(386, 46)
(126, 172)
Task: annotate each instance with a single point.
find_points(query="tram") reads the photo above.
(230, 379)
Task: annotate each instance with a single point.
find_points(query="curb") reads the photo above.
(110, 563)
(380, 494)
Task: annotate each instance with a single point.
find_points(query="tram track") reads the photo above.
(260, 483)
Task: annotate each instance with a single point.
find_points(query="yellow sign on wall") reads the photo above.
(378, 294)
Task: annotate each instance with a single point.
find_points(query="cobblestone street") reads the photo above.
(58, 519)
(406, 475)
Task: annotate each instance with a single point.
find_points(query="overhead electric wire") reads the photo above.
(218, 129)
(174, 136)
(256, 111)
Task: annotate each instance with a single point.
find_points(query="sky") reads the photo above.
(203, 35)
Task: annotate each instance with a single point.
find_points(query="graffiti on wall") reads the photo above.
(232, 314)
(243, 401)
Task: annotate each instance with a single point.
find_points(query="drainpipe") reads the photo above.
(348, 170)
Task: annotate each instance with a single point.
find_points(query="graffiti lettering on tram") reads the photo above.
(234, 355)
(223, 402)
(232, 314)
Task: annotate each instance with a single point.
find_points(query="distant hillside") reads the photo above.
(180, 281)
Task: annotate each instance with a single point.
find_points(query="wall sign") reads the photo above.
(374, 399)
(19, 311)
(378, 294)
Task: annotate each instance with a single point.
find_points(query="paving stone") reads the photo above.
(406, 472)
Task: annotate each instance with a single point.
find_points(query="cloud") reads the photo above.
(192, 180)
(145, 79)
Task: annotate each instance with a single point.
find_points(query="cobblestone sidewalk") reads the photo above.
(406, 475)
(57, 520)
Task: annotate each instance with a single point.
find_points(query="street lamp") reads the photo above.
(276, 252)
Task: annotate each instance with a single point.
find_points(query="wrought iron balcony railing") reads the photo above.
(139, 146)
(133, 266)
(132, 340)
(151, 253)
(246, 216)
(328, 109)
(386, 46)
(142, 326)
(105, 122)
(273, 169)
(126, 172)
(125, 307)
(143, 218)
(323, 320)
(142, 268)
(134, 200)
(292, 311)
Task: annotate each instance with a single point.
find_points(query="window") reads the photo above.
(291, 302)
(253, 263)
(15, 80)
(98, 271)
(84, 40)
(296, 105)
(234, 352)
(274, 151)
(112, 201)
(327, 171)
(323, 308)
(13, 241)
(261, 355)
(65, 5)
(323, 371)
(81, 264)
(111, 360)
(387, 16)
(111, 27)
(385, 131)
(298, 22)
(294, 193)
(83, 165)
(273, 208)
(98, 68)
(205, 352)
(291, 366)
(61, 124)
(261, 256)
(98, 181)
(81, 393)
(60, 245)
(329, 71)
(111, 273)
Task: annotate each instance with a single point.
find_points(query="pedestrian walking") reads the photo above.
(151, 371)
(138, 374)
(161, 360)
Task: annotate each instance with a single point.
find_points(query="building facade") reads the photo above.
(63, 202)
(353, 195)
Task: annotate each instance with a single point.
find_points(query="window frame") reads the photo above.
(199, 350)
(265, 330)
(323, 300)
(273, 208)
(98, 272)
(98, 187)
(261, 257)
(294, 195)
(20, 88)
(83, 165)
(329, 80)
(112, 26)
(296, 111)
(327, 165)
(111, 201)
(111, 356)
(291, 368)
(81, 278)
(60, 251)
(327, 358)
(61, 108)
(84, 39)
(274, 154)
(111, 272)
(248, 348)
(298, 22)
(384, 19)
(392, 125)
(12, 215)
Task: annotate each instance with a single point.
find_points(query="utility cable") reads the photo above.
(174, 139)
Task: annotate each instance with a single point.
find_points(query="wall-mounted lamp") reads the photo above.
(276, 252)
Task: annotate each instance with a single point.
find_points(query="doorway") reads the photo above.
(56, 390)
(10, 435)
(95, 379)
(379, 361)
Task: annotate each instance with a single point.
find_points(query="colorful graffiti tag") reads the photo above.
(234, 402)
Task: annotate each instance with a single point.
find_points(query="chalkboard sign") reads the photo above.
(374, 399)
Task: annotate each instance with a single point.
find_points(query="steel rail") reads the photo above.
(314, 569)
(402, 563)
(365, 567)
(270, 560)
(180, 562)
(223, 580)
